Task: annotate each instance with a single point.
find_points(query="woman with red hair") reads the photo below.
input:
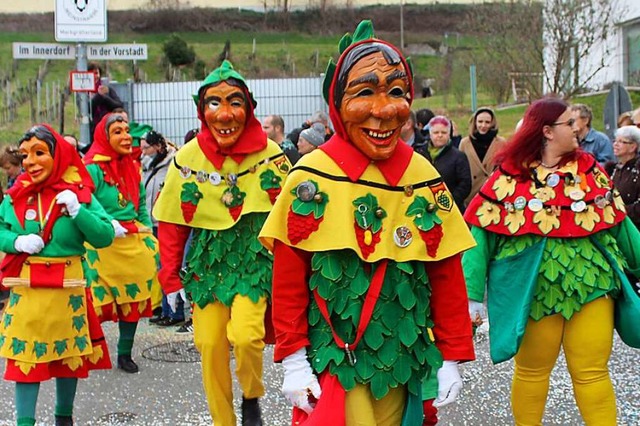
(49, 329)
(552, 239)
(123, 273)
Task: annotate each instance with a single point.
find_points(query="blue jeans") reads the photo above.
(167, 312)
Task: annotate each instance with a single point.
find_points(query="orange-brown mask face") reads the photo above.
(375, 105)
(38, 161)
(119, 137)
(225, 112)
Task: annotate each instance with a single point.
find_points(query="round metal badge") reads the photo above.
(520, 203)
(402, 236)
(185, 172)
(305, 191)
(201, 176)
(600, 201)
(553, 180)
(30, 214)
(535, 205)
(231, 179)
(215, 178)
(576, 194)
(578, 206)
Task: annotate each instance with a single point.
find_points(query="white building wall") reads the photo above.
(614, 69)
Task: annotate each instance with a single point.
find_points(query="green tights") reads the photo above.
(127, 332)
(27, 397)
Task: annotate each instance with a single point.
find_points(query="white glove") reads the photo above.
(120, 230)
(476, 312)
(299, 381)
(449, 384)
(31, 243)
(172, 299)
(70, 200)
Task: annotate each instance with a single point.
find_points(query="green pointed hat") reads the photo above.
(224, 72)
(364, 31)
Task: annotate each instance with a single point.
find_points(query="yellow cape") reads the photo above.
(210, 210)
(336, 231)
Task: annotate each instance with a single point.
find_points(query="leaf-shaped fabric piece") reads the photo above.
(78, 322)
(14, 298)
(81, 342)
(504, 186)
(150, 243)
(132, 290)
(39, 348)
(488, 214)
(60, 346)
(76, 302)
(18, 346)
(99, 292)
(514, 220)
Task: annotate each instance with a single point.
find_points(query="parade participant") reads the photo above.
(552, 239)
(123, 273)
(226, 181)
(367, 241)
(49, 328)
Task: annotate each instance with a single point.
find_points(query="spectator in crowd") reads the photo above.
(273, 126)
(121, 293)
(452, 164)
(72, 140)
(11, 163)
(626, 172)
(105, 100)
(481, 147)
(317, 117)
(423, 116)
(311, 138)
(625, 119)
(550, 254)
(157, 156)
(410, 133)
(635, 117)
(592, 141)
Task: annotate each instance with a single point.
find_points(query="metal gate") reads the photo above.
(169, 107)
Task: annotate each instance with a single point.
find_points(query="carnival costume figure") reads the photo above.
(123, 273)
(221, 187)
(49, 328)
(554, 243)
(367, 242)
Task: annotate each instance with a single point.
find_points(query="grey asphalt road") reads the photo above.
(168, 390)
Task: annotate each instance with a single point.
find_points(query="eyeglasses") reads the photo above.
(624, 142)
(570, 122)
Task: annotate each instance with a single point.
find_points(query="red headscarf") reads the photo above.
(68, 173)
(119, 170)
(251, 140)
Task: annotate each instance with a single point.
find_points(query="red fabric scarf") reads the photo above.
(119, 170)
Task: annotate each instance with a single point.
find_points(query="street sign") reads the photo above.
(81, 20)
(43, 51)
(68, 51)
(117, 51)
(82, 81)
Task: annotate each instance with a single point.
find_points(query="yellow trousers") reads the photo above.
(587, 339)
(362, 409)
(216, 327)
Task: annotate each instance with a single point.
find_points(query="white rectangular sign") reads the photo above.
(117, 51)
(43, 51)
(81, 20)
(82, 81)
(68, 51)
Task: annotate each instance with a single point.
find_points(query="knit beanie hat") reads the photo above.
(314, 134)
